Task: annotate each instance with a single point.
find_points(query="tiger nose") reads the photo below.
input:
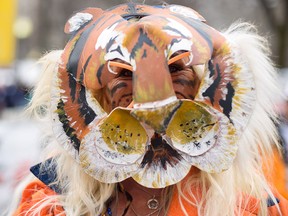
(152, 80)
(153, 94)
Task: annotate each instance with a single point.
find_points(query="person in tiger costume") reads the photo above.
(153, 112)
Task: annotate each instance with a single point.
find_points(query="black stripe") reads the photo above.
(179, 93)
(69, 131)
(99, 73)
(143, 38)
(118, 49)
(110, 43)
(210, 92)
(109, 18)
(144, 54)
(160, 153)
(84, 69)
(72, 86)
(173, 41)
(211, 68)
(227, 104)
(174, 30)
(72, 64)
(85, 111)
(116, 87)
(169, 117)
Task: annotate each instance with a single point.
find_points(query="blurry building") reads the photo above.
(49, 17)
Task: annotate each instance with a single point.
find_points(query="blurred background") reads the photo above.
(30, 28)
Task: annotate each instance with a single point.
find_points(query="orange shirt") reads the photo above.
(36, 191)
(33, 193)
(275, 172)
(248, 210)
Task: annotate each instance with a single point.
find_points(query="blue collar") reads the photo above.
(46, 172)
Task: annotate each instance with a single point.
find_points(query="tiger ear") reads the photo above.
(186, 12)
(81, 19)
